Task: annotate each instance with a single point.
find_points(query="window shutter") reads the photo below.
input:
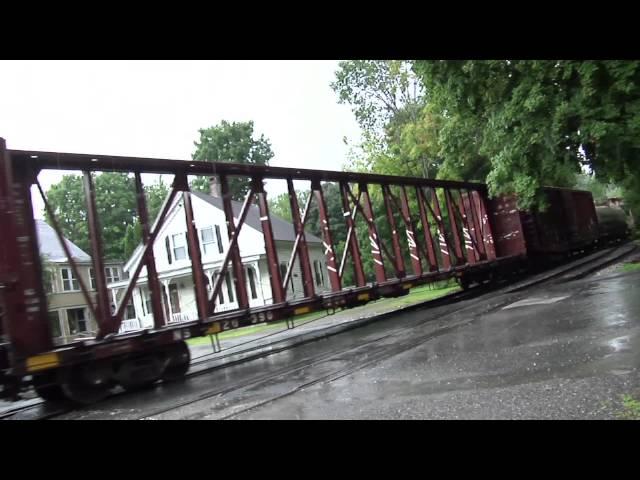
(186, 240)
(168, 245)
(219, 238)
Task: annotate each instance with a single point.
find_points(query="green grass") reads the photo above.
(416, 295)
(631, 408)
(261, 328)
(629, 267)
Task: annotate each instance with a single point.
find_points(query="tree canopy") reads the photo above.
(378, 91)
(388, 101)
(115, 192)
(234, 143)
(525, 124)
(515, 124)
(116, 206)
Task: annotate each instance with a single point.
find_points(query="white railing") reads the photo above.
(183, 317)
(225, 307)
(191, 315)
(146, 321)
(129, 325)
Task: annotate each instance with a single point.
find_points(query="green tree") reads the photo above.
(279, 206)
(388, 100)
(132, 238)
(48, 271)
(115, 203)
(116, 207)
(600, 190)
(378, 91)
(200, 184)
(530, 123)
(235, 143)
(155, 194)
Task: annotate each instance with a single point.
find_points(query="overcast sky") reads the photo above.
(155, 108)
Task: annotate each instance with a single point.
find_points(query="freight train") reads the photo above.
(571, 223)
(438, 230)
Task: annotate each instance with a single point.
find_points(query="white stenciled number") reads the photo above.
(226, 325)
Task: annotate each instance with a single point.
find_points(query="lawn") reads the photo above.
(630, 267)
(631, 408)
(416, 295)
(262, 328)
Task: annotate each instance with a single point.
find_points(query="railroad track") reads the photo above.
(608, 256)
(50, 411)
(379, 351)
(614, 254)
(384, 352)
(60, 410)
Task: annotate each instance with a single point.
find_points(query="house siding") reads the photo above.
(60, 300)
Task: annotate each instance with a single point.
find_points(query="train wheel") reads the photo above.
(178, 362)
(85, 384)
(140, 373)
(47, 387)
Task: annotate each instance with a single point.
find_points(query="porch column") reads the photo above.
(165, 285)
(259, 280)
(209, 274)
(137, 302)
(114, 295)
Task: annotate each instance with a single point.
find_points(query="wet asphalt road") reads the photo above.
(571, 358)
(566, 351)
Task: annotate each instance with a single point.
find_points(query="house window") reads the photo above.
(317, 268)
(174, 297)
(219, 238)
(145, 295)
(252, 282)
(147, 300)
(208, 240)
(92, 277)
(69, 281)
(113, 275)
(179, 246)
(130, 312)
(77, 320)
(54, 321)
(229, 283)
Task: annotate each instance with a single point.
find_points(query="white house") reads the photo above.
(173, 263)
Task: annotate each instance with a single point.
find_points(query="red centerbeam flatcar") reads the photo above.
(437, 230)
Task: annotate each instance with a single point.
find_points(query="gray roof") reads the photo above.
(282, 229)
(50, 245)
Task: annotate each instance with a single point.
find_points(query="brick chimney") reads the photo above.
(214, 187)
